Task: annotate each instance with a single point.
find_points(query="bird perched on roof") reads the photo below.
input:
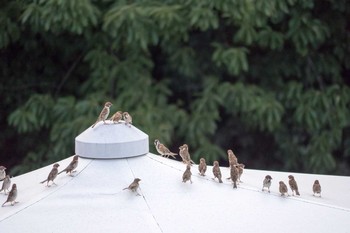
(12, 195)
(234, 174)
(118, 116)
(283, 188)
(267, 183)
(52, 175)
(163, 150)
(293, 185)
(187, 174)
(6, 184)
(72, 165)
(316, 188)
(232, 159)
(2, 173)
(202, 166)
(240, 167)
(104, 114)
(217, 171)
(185, 155)
(134, 186)
(127, 118)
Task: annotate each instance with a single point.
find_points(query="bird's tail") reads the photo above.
(43, 181)
(125, 188)
(297, 192)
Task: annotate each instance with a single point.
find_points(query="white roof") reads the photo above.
(93, 201)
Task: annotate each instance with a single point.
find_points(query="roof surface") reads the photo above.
(94, 200)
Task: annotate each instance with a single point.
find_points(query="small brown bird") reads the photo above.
(72, 165)
(134, 186)
(202, 167)
(12, 196)
(232, 159)
(163, 150)
(293, 185)
(267, 183)
(217, 171)
(2, 173)
(240, 167)
(283, 188)
(104, 114)
(6, 184)
(187, 174)
(127, 118)
(234, 174)
(52, 175)
(316, 188)
(185, 155)
(118, 116)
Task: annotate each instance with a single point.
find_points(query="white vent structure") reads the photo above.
(111, 141)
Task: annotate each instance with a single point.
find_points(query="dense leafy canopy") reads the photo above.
(268, 79)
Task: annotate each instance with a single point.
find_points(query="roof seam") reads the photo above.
(44, 197)
(144, 198)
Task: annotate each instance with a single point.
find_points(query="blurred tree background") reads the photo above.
(267, 79)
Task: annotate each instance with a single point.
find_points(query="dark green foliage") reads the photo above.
(268, 79)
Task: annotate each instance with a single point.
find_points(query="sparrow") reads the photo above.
(6, 184)
(293, 185)
(12, 195)
(2, 173)
(232, 159)
(134, 186)
(283, 188)
(202, 167)
(185, 155)
(267, 183)
(187, 174)
(127, 118)
(73, 165)
(234, 174)
(240, 167)
(316, 188)
(52, 175)
(104, 114)
(163, 150)
(116, 117)
(217, 171)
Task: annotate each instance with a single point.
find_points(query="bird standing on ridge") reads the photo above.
(104, 114)
(187, 174)
(283, 188)
(267, 183)
(12, 195)
(6, 184)
(134, 186)
(202, 166)
(72, 165)
(163, 150)
(185, 155)
(2, 173)
(232, 159)
(316, 188)
(127, 118)
(293, 185)
(118, 116)
(217, 171)
(240, 167)
(52, 175)
(234, 174)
